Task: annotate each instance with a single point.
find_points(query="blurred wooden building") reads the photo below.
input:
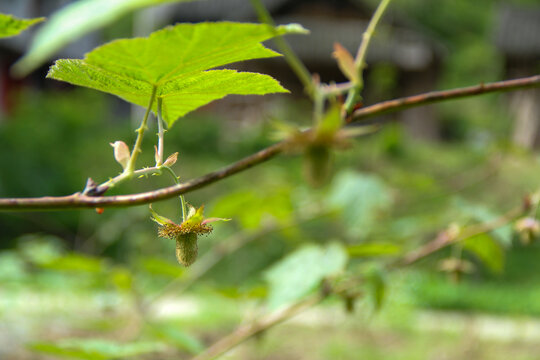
(518, 38)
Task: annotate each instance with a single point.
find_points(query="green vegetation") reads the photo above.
(105, 284)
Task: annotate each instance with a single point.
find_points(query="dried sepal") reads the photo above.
(121, 153)
(171, 160)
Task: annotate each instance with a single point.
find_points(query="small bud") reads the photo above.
(121, 153)
(171, 160)
(345, 62)
(186, 249)
(528, 228)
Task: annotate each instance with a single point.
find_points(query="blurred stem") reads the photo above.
(182, 199)
(161, 132)
(130, 168)
(360, 61)
(292, 59)
(248, 331)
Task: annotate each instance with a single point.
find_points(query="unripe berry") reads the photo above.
(318, 165)
(186, 248)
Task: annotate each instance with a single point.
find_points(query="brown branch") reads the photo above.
(444, 95)
(79, 200)
(445, 239)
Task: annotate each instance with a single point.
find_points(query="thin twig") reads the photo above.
(292, 59)
(79, 200)
(445, 239)
(360, 59)
(443, 95)
(247, 331)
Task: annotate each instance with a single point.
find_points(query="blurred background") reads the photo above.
(108, 278)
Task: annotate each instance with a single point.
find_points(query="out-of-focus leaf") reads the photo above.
(73, 21)
(77, 263)
(483, 214)
(178, 338)
(361, 198)
(11, 25)
(11, 266)
(174, 65)
(377, 286)
(487, 250)
(40, 249)
(251, 207)
(122, 278)
(96, 349)
(373, 249)
(300, 272)
(156, 266)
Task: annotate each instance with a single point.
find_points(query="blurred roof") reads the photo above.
(403, 47)
(329, 21)
(518, 31)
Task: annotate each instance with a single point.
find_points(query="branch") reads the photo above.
(247, 331)
(444, 95)
(445, 239)
(79, 200)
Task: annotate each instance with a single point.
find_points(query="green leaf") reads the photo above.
(251, 207)
(96, 349)
(301, 271)
(481, 213)
(73, 21)
(176, 62)
(180, 339)
(377, 285)
(373, 249)
(361, 199)
(11, 25)
(156, 266)
(76, 263)
(487, 250)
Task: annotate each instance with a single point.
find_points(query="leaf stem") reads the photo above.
(130, 168)
(360, 60)
(292, 59)
(161, 132)
(177, 181)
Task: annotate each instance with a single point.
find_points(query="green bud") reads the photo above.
(186, 248)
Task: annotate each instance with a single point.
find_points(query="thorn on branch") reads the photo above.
(93, 189)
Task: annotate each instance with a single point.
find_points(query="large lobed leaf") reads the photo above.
(11, 25)
(176, 62)
(73, 21)
(300, 272)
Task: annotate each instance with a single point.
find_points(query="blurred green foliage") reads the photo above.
(390, 194)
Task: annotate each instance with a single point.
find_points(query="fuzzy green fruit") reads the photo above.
(187, 249)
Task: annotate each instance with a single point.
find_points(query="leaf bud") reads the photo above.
(171, 160)
(121, 153)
